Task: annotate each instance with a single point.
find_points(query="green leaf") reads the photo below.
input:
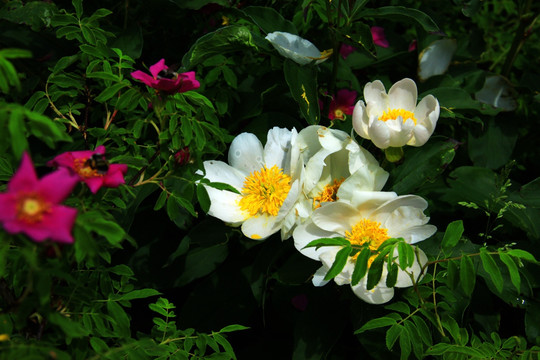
(512, 269)
(392, 335)
(137, 294)
(111, 91)
(221, 41)
(492, 269)
(99, 345)
(16, 128)
(521, 254)
(405, 343)
(336, 241)
(340, 261)
(530, 193)
(422, 165)
(452, 235)
(376, 323)
(269, 20)
(399, 306)
(223, 186)
(234, 327)
(121, 270)
(71, 328)
(121, 320)
(203, 198)
(375, 271)
(302, 81)
(423, 330)
(467, 275)
(103, 75)
(110, 230)
(406, 255)
(494, 147)
(77, 4)
(391, 277)
(442, 348)
(361, 266)
(401, 13)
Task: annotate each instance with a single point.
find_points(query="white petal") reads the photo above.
(403, 95)
(427, 112)
(380, 134)
(376, 98)
(318, 277)
(224, 206)
(218, 171)
(417, 233)
(246, 153)
(497, 92)
(278, 147)
(360, 119)
(365, 202)
(420, 136)
(294, 47)
(380, 294)
(434, 59)
(260, 227)
(335, 217)
(306, 233)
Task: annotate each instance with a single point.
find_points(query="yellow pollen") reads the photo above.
(265, 191)
(338, 114)
(329, 193)
(83, 168)
(367, 231)
(31, 207)
(393, 114)
(224, 20)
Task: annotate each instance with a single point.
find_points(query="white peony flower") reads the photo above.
(435, 59)
(335, 167)
(394, 119)
(371, 217)
(267, 180)
(296, 48)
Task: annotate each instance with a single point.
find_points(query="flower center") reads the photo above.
(265, 191)
(329, 193)
(84, 168)
(338, 114)
(393, 114)
(367, 231)
(31, 207)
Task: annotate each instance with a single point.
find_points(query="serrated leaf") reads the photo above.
(452, 235)
(512, 270)
(138, 294)
(492, 269)
(234, 327)
(392, 275)
(467, 275)
(111, 91)
(342, 256)
(203, 198)
(423, 330)
(406, 255)
(521, 254)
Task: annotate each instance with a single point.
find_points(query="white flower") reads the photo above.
(296, 48)
(371, 217)
(435, 59)
(497, 92)
(335, 167)
(267, 180)
(394, 119)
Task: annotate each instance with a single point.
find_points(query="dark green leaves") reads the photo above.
(452, 235)
(467, 275)
(302, 81)
(403, 14)
(492, 269)
(342, 256)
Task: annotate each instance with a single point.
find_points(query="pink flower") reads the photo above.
(379, 39)
(92, 168)
(182, 157)
(32, 206)
(166, 81)
(346, 50)
(412, 45)
(342, 104)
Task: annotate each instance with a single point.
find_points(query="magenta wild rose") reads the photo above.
(166, 81)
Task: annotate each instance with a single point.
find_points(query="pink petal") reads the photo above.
(379, 39)
(115, 175)
(94, 183)
(157, 68)
(346, 97)
(99, 150)
(57, 186)
(59, 223)
(25, 177)
(8, 207)
(345, 50)
(65, 159)
(144, 77)
(188, 81)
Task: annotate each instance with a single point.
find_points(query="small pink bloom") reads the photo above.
(92, 168)
(342, 104)
(412, 45)
(379, 39)
(166, 81)
(182, 156)
(32, 206)
(346, 50)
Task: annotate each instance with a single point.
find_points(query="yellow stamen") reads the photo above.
(329, 193)
(31, 207)
(370, 232)
(83, 168)
(265, 191)
(338, 114)
(392, 114)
